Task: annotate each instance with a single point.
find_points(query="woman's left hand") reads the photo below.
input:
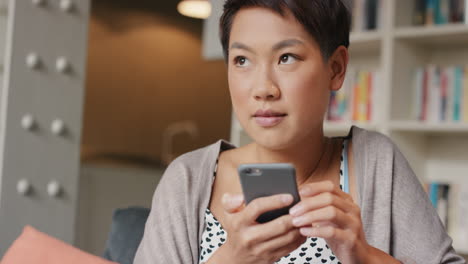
(326, 211)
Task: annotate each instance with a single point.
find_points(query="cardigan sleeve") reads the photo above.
(167, 232)
(418, 235)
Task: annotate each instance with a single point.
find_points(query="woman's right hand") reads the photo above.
(251, 242)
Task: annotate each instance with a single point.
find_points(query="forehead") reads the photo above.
(257, 24)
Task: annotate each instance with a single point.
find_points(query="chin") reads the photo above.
(274, 140)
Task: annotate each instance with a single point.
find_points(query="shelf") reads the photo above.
(415, 126)
(365, 42)
(450, 35)
(342, 128)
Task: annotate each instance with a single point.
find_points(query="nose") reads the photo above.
(266, 89)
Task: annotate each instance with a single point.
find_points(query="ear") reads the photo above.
(337, 64)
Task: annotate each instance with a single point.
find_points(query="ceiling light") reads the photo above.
(195, 8)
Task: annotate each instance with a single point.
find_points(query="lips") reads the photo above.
(268, 113)
(268, 118)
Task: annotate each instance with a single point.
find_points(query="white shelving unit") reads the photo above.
(428, 128)
(436, 151)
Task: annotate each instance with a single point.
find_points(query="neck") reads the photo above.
(305, 156)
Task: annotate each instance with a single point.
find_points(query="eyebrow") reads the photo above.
(287, 43)
(278, 46)
(237, 45)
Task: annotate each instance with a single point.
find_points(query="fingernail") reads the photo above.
(237, 199)
(295, 210)
(225, 199)
(305, 191)
(297, 221)
(306, 231)
(287, 199)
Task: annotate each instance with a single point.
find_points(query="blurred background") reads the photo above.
(99, 96)
(150, 97)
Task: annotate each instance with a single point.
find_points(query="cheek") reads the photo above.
(238, 88)
(308, 93)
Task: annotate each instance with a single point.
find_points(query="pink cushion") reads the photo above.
(34, 247)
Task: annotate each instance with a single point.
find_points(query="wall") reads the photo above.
(106, 186)
(145, 72)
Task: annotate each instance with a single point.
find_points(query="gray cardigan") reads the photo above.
(397, 215)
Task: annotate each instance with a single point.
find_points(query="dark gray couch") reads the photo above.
(126, 233)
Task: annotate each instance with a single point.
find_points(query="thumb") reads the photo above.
(232, 203)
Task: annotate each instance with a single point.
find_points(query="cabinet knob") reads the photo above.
(62, 65)
(54, 189)
(23, 187)
(66, 5)
(28, 122)
(33, 61)
(57, 127)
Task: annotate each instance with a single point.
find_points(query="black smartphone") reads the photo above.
(266, 179)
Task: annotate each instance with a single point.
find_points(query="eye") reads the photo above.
(287, 59)
(241, 61)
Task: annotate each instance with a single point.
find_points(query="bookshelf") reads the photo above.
(366, 42)
(436, 151)
(418, 127)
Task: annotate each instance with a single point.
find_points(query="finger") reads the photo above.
(312, 189)
(275, 228)
(264, 204)
(232, 203)
(254, 235)
(326, 214)
(281, 245)
(323, 200)
(344, 237)
(322, 224)
(290, 247)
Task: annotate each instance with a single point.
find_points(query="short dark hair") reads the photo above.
(327, 21)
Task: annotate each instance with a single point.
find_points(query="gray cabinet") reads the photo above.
(41, 112)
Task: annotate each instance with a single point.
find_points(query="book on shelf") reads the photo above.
(449, 200)
(419, 14)
(366, 14)
(355, 100)
(439, 12)
(440, 94)
(439, 197)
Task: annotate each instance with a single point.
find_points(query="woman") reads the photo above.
(360, 201)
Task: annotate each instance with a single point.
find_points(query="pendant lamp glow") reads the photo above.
(195, 8)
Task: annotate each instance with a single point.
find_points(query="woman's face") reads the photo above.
(278, 80)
